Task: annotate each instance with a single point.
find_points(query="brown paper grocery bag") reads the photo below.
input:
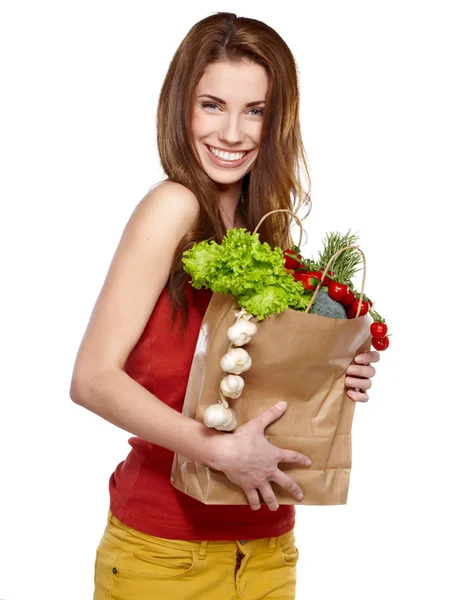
(297, 357)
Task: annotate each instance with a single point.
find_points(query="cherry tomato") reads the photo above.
(380, 343)
(337, 291)
(378, 330)
(317, 275)
(348, 299)
(308, 281)
(363, 309)
(291, 263)
(351, 311)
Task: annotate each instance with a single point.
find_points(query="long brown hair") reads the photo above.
(275, 178)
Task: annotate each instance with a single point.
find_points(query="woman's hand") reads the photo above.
(249, 460)
(359, 375)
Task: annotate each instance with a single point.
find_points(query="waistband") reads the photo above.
(202, 546)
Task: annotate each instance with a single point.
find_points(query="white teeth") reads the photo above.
(231, 156)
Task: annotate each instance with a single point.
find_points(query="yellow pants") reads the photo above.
(131, 565)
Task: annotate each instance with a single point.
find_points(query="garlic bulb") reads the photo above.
(219, 417)
(241, 332)
(232, 386)
(231, 423)
(237, 360)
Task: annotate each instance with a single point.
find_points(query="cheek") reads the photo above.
(257, 133)
(199, 124)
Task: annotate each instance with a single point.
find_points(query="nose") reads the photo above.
(231, 133)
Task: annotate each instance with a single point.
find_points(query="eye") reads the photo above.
(260, 112)
(207, 104)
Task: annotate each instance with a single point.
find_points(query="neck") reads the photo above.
(230, 209)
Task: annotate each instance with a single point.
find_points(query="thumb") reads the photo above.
(271, 414)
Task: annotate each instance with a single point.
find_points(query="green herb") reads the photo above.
(344, 265)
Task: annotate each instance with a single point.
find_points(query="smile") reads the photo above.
(226, 159)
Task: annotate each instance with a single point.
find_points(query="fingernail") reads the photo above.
(351, 370)
(308, 462)
(300, 496)
(359, 359)
(281, 404)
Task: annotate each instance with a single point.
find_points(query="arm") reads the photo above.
(136, 277)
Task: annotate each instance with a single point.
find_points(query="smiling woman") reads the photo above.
(230, 144)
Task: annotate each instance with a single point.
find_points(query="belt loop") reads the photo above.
(110, 518)
(272, 544)
(203, 550)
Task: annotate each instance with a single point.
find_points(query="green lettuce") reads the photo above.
(243, 267)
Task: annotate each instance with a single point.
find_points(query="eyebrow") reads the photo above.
(216, 99)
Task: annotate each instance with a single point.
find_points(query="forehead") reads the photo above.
(234, 82)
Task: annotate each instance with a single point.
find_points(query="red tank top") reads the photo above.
(141, 494)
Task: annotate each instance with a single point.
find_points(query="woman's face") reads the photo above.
(223, 122)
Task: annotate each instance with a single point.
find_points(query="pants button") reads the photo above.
(114, 570)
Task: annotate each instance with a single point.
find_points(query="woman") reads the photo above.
(230, 143)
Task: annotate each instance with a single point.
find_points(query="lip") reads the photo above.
(225, 163)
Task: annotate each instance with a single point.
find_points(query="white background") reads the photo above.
(80, 83)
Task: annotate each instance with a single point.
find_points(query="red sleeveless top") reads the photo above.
(141, 494)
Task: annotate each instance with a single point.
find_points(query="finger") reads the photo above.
(268, 496)
(296, 457)
(375, 356)
(367, 371)
(253, 499)
(270, 415)
(288, 484)
(367, 357)
(358, 396)
(356, 382)
(361, 371)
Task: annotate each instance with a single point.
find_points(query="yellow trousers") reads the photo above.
(131, 565)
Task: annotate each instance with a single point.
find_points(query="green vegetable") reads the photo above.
(326, 306)
(243, 267)
(345, 264)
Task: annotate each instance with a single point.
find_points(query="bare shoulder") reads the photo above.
(172, 201)
(137, 275)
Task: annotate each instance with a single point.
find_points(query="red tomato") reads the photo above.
(308, 281)
(378, 330)
(337, 291)
(380, 343)
(290, 263)
(351, 311)
(318, 275)
(348, 299)
(363, 309)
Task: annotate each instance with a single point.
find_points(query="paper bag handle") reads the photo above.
(298, 221)
(296, 218)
